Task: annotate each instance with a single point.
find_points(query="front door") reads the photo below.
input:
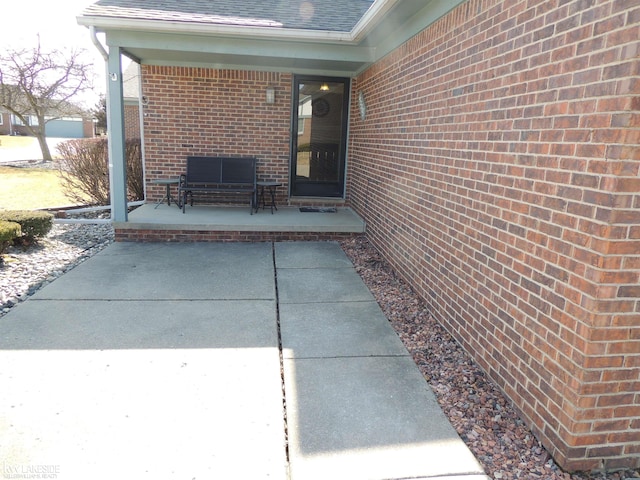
(319, 142)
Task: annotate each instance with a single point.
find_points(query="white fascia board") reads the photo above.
(185, 28)
(371, 18)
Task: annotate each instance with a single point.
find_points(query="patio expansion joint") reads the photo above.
(155, 300)
(281, 356)
(338, 357)
(319, 267)
(237, 299)
(333, 302)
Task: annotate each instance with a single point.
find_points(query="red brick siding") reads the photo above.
(498, 170)
(131, 121)
(142, 235)
(199, 111)
(88, 128)
(5, 118)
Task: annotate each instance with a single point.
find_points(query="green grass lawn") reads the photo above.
(10, 141)
(31, 189)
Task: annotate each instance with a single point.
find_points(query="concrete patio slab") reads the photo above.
(368, 418)
(144, 389)
(148, 324)
(358, 408)
(317, 272)
(162, 361)
(237, 219)
(337, 329)
(311, 255)
(171, 271)
(321, 285)
(143, 413)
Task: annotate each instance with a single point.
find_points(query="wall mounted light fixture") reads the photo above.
(362, 105)
(324, 87)
(271, 95)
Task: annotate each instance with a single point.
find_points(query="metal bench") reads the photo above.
(228, 175)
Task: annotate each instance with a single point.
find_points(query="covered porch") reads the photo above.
(272, 81)
(152, 222)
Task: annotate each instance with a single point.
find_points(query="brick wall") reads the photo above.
(87, 128)
(131, 121)
(199, 111)
(142, 235)
(498, 170)
(4, 123)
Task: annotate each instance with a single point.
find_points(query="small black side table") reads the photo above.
(167, 196)
(272, 192)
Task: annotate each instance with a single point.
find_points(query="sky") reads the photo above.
(56, 23)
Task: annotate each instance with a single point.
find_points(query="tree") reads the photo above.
(39, 84)
(99, 112)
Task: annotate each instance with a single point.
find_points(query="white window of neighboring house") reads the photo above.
(1, 118)
(31, 120)
(15, 120)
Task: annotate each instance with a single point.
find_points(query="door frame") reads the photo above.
(333, 189)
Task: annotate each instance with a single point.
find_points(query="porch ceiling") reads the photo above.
(217, 51)
(185, 39)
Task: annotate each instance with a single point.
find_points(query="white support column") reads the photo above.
(142, 103)
(115, 120)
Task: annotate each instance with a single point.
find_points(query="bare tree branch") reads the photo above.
(39, 84)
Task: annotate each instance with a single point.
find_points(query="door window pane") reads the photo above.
(319, 148)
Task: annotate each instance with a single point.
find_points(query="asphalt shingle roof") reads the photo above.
(324, 15)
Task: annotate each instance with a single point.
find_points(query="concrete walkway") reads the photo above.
(163, 361)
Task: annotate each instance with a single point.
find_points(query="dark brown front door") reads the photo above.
(319, 136)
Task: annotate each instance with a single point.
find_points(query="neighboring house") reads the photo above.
(70, 127)
(74, 124)
(131, 97)
(10, 124)
(491, 147)
(67, 127)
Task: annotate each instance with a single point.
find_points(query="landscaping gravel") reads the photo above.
(25, 270)
(481, 414)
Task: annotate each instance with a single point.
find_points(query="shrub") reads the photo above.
(9, 231)
(135, 173)
(84, 168)
(33, 224)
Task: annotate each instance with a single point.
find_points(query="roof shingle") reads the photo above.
(323, 15)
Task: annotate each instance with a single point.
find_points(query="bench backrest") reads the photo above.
(238, 170)
(212, 170)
